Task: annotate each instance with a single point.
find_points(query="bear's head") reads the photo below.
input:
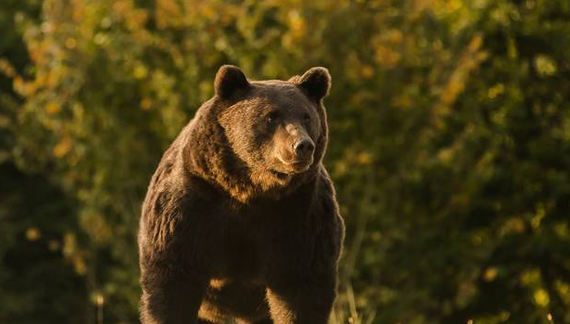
(276, 130)
(275, 127)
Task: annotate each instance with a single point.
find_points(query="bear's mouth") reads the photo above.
(281, 175)
(297, 166)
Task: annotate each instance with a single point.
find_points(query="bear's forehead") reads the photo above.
(275, 87)
(276, 92)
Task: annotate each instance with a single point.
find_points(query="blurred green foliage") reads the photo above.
(450, 146)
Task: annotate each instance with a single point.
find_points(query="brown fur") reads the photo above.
(240, 221)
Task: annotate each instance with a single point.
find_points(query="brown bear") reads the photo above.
(240, 221)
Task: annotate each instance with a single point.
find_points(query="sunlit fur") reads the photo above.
(231, 227)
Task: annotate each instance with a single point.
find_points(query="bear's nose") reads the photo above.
(304, 148)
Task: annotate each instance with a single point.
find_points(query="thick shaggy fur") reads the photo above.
(233, 225)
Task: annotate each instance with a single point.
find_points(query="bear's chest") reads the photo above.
(238, 254)
(247, 239)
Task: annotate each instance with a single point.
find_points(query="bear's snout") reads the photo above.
(304, 148)
(298, 156)
(301, 143)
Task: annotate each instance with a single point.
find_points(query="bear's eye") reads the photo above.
(272, 117)
(306, 117)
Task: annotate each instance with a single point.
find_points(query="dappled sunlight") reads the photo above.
(449, 143)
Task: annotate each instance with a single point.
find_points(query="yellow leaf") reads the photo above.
(79, 265)
(70, 43)
(541, 297)
(140, 71)
(6, 68)
(52, 108)
(364, 158)
(33, 234)
(475, 43)
(496, 91)
(62, 148)
(146, 104)
(545, 66)
(490, 274)
(367, 71)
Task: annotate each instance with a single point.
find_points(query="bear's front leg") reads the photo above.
(170, 295)
(297, 300)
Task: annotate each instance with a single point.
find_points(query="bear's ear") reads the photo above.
(229, 80)
(316, 82)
